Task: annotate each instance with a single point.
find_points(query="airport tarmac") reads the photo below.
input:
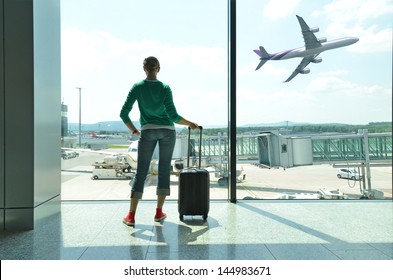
(259, 183)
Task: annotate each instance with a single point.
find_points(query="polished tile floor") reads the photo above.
(248, 230)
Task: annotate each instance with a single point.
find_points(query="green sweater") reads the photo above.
(155, 104)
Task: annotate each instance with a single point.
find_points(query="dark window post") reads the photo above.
(232, 98)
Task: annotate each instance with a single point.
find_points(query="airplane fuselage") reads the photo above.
(302, 52)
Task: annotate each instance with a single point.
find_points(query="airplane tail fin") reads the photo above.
(264, 56)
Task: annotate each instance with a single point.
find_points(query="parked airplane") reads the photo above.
(123, 163)
(129, 158)
(100, 136)
(312, 48)
(132, 154)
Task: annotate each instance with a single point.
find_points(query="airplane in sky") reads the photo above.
(312, 48)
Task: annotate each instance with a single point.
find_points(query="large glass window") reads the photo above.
(304, 138)
(103, 47)
(294, 139)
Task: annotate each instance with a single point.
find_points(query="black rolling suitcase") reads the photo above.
(194, 187)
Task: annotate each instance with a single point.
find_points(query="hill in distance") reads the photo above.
(118, 126)
(115, 126)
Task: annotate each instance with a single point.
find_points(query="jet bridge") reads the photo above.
(362, 150)
(272, 149)
(276, 150)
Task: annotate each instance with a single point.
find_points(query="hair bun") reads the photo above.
(151, 63)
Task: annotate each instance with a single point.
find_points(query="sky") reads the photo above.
(103, 47)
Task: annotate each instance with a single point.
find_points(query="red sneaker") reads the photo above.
(129, 220)
(159, 215)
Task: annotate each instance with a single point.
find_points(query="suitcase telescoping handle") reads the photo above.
(189, 146)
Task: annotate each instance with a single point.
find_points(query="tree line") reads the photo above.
(372, 127)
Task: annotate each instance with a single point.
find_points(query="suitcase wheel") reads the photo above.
(205, 217)
(181, 217)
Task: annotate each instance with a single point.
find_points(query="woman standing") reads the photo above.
(157, 117)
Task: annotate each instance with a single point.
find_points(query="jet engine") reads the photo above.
(305, 71)
(317, 60)
(314, 29)
(322, 40)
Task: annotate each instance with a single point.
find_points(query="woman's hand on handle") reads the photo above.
(191, 125)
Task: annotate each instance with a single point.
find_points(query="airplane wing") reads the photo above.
(310, 41)
(305, 61)
(89, 151)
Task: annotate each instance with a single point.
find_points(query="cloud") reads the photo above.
(330, 97)
(271, 69)
(357, 18)
(358, 10)
(334, 73)
(277, 9)
(105, 66)
(204, 106)
(373, 40)
(273, 105)
(346, 90)
(207, 59)
(340, 99)
(91, 50)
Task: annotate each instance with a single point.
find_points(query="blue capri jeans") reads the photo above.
(166, 139)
